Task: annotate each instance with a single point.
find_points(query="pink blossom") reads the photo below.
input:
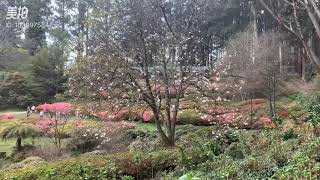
(61, 107)
(265, 120)
(228, 118)
(147, 116)
(216, 111)
(43, 107)
(7, 117)
(44, 124)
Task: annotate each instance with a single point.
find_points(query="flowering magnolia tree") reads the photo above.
(54, 123)
(153, 64)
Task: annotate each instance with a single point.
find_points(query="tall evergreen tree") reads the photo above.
(48, 74)
(37, 16)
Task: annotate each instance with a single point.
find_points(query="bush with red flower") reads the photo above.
(147, 116)
(267, 122)
(62, 108)
(54, 123)
(122, 115)
(7, 117)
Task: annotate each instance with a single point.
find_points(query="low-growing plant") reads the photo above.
(289, 134)
(87, 139)
(189, 116)
(235, 151)
(277, 120)
(312, 107)
(127, 178)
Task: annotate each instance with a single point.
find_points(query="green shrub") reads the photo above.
(277, 120)
(188, 177)
(256, 167)
(304, 162)
(235, 151)
(99, 138)
(281, 152)
(85, 140)
(199, 153)
(312, 107)
(98, 167)
(135, 134)
(185, 130)
(289, 134)
(128, 178)
(33, 160)
(189, 116)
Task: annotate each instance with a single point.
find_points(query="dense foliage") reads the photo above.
(206, 153)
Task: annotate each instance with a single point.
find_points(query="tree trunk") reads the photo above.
(274, 89)
(281, 60)
(165, 139)
(255, 33)
(19, 144)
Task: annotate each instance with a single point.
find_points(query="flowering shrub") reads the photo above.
(42, 107)
(104, 116)
(87, 139)
(216, 111)
(208, 120)
(147, 116)
(44, 124)
(123, 115)
(54, 123)
(283, 114)
(254, 106)
(228, 118)
(63, 108)
(7, 117)
(267, 122)
(80, 124)
(221, 115)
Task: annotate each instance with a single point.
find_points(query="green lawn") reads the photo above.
(146, 126)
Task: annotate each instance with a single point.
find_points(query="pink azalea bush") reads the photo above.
(216, 110)
(63, 108)
(122, 115)
(104, 116)
(229, 118)
(267, 122)
(114, 116)
(54, 123)
(7, 117)
(147, 116)
(44, 124)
